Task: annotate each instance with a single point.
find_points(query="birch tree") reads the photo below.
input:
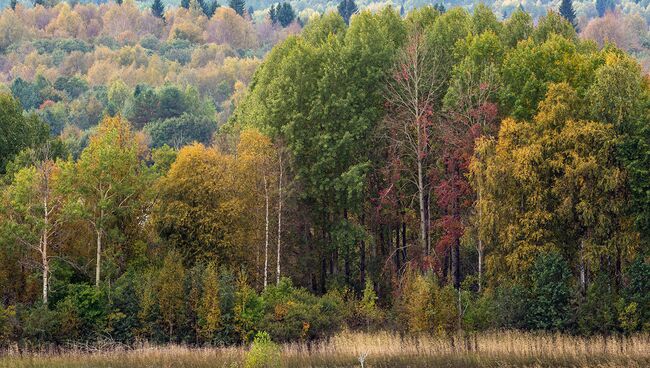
(412, 92)
(106, 181)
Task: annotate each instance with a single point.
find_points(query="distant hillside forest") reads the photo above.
(199, 173)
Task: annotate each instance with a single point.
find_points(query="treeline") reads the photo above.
(430, 173)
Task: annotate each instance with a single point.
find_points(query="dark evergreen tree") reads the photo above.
(13, 4)
(250, 11)
(285, 14)
(566, 10)
(346, 9)
(185, 4)
(441, 7)
(158, 9)
(603, 6)
(238, 6)
(273, 14)
(119, 2)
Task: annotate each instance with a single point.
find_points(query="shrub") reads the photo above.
(548, 308)
(295, 314)
(264, 353)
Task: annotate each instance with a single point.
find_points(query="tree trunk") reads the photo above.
(44, 245)
(277, 272)
(404, 242)
(480, 245)
(99, 257)
(583, 275)
(362, 259)
(266, 233)
(423, 227)
(455, 263)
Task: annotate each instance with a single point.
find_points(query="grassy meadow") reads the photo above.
(498, 349)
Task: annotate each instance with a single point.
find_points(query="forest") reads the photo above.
(207, 175)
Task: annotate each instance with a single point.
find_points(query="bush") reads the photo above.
(8, 325)
(548, 307)
(295, 314)
(264, 353)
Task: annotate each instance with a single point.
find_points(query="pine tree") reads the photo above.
(158, 9)
(566, 10)
(238, 6)
(13, 4)
(185, 4)
(119, 2)
(346, 9)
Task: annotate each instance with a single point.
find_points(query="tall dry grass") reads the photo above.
(382, 349)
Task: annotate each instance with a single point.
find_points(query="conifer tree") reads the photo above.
(158, 9)
(567, 11)
(238, 6)
(273, 14)
(13, 4)
(185, 4)
(346, 9)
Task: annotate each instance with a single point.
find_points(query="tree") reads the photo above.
(185, 4)
(411, 97)
(209, 312)
(35, 203)
(180, 131)
(239, 6)
(17, 131)
(273, 14)
(566, 10)
(285, 14)
(346, 9)
(603, 6)
(158, 9)
(517, 28)
(170, 292)
(201, 211)
(210, 9)
(13, 4)
(106, 183)
(553, 205)
(256, 156)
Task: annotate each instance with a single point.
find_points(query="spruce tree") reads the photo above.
(185, 4)
(285, 14)
(13, 4)
(238, 6)
(603, 6)
(566, 10)
(273, 15)
(158, 9)
(346, 9)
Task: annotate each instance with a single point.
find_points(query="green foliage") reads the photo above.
(294, 314)
(550, 293)
(264, 353)
(636, 293)
(17, 131)
(180, 131)
(597, 309)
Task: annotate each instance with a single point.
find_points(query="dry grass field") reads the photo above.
(498, 349)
